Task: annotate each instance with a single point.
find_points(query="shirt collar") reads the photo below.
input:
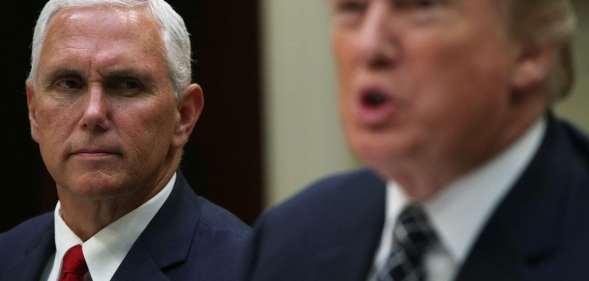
(104, 252)
(459, 212)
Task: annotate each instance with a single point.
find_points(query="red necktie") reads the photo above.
(74, 266)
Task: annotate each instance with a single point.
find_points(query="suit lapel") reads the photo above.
(139, 265)
(167, 239)
(523, 231)
(354, 246)
(31, 264)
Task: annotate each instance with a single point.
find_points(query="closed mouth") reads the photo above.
(95, 153)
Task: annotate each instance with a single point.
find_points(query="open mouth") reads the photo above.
(374, 107)
(373, 99)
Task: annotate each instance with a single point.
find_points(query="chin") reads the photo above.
(381, 154)
(98, 185)
(371, 154)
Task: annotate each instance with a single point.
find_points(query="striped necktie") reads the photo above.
(413, 236)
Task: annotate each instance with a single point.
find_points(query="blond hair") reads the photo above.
(548, 22)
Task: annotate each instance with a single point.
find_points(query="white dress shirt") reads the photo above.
(461, 210)
(104, 252)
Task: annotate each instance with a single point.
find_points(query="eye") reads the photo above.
(418, 4)
(350, 6)
(348, 13)
(127, 83)
(424, 3)
(126, 86)
(69, 84)
(131, 84)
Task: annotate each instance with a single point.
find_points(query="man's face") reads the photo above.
(423, 84)
(102, 108)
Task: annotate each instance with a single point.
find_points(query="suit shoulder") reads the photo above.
(219, 241)
(219, 221)
(334, 211)
(333, 191)
(579, 141)
(326, 207)
(19, 238)
(211, 218)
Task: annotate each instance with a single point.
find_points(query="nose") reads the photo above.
(96, 113)
(378, 41)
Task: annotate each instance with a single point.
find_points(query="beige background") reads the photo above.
(303, 138)
(575, 108)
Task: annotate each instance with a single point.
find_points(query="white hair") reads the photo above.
(172, 30)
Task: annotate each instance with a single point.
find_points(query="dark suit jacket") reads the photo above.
(540, 231)
(188, 239)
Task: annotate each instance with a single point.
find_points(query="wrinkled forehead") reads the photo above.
(96, 27)
(103, 38)
(493, 7)
(97, 19)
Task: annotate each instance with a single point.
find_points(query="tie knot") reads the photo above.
(74, 262)
(413, 230)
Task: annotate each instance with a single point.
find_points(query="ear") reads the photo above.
(31, 102)
(190, 107)
(533, 65)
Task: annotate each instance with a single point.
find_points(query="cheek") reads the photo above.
(55, 123)
(456, 74)
(345, 61)
(147, 130)
(53, 133)
(345, 53)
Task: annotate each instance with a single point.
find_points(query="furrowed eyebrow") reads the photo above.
(145, 77)
(61, 72)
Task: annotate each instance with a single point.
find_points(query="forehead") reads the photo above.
(104, 21)
(440, 17)
(491, 7)
(102, 34)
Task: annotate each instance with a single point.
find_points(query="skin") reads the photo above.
(463, 88)
(104, 114)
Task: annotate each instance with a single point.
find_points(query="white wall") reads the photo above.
(576, 107)
(303, 136)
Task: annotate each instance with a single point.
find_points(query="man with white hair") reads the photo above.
(111, 106)
(471, 176)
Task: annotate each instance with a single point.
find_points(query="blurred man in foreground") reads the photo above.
(111, 107)
(471, 176)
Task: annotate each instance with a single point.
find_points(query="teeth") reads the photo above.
(374, 99)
